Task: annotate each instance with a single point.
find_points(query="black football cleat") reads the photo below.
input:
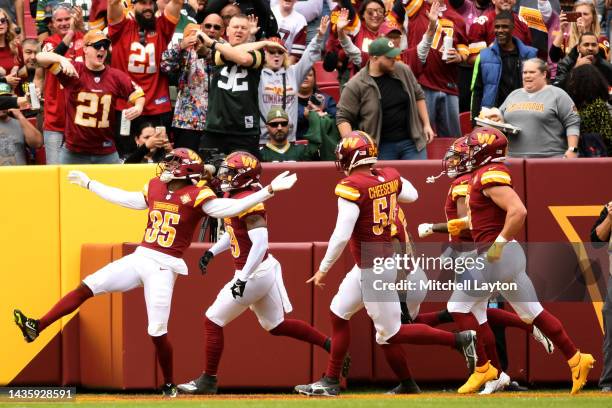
(325, 387)
(169, 390)
(28, 327)
(406, 387)
(204, 384)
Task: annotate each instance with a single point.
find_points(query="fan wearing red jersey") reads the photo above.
(138, 45)
(91, 91)
(367, 198)
(496, 215)
(258, 281)
(68, 42)
(176, 200)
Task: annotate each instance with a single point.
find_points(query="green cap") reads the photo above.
(5, 89)
(383, 46)
(276, 113)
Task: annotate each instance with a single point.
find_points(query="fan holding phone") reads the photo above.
(583, 19)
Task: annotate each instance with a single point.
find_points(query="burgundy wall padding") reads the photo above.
(45, 368)
(557, 183)
(362, 330)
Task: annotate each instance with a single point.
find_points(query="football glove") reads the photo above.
(238, 288)
(457, 225)
(79, 178)
(283, 181)
(204, 260)
(495, 250)
(425, 230)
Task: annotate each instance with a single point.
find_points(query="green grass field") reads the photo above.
(531, 399)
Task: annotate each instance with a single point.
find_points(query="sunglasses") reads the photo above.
(208, 26)
(275, 52)
(3, 20)
(100, 44)
(374, 12)
(284, 123)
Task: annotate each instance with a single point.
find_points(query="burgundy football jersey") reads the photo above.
(240, 243)
(141, 58)
(486, 218)
(90, 105)
(399, 228)
(458, 189)
(376, 195)
(174, 216)
(437, 74)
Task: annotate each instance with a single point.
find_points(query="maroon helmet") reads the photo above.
(486, 145)
(456, 158)
(239, 170)
(357, 149)
(180, 164)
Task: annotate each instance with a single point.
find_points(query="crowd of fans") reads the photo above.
(125, 81)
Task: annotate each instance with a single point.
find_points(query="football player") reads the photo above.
(495, 215)
(258, 281)
(367, 198)
(462, 245)
(176, 201)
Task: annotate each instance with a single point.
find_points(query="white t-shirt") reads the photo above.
(292, 30)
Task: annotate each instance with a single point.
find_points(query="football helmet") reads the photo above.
(239, 170)
(180, 164)
(456, 157)
(357, 149)
(486, 145)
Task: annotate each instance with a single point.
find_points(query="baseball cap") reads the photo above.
(276, 113)
(389, 27)
(93, 36)
(5, 89)
(383, 46)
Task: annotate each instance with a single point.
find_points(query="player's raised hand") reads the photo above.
(317, 279)
(283, 182)
(425, 230)
(79, 178)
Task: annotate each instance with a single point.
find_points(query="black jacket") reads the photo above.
(566, 65)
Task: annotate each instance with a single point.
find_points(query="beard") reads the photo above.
(280, 137)
(147, 24)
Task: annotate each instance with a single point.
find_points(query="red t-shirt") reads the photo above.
(482, 32)
(486, 218)
(458, 189)
(240, 243)
(376, 195)
(142, 62)
(173, 217)
(437, 74)
(54, 108)
(90, 102)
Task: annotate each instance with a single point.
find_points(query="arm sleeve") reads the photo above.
(408, 194)
(348, 213)
(259, 241)
(221, 245)
(352, 51)
(311, 54)
(602, 217)
(568, 114)
(423, 47)
(230, 207)
(128, 199)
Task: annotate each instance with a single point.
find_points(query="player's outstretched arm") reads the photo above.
(230, 207)
(408, 194)
(348, 213)
(220, 246)
(128, 199)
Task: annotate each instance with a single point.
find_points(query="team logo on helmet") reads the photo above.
(357, 149)
(239, 170)
(180, 164)
(486, 145)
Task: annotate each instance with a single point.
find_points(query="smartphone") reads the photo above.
(572, 16)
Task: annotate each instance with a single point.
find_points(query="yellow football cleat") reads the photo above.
(580, 365)
(479, 377)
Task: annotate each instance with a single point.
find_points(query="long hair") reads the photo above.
(574, 36)
(9, 37)
(586, 84)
